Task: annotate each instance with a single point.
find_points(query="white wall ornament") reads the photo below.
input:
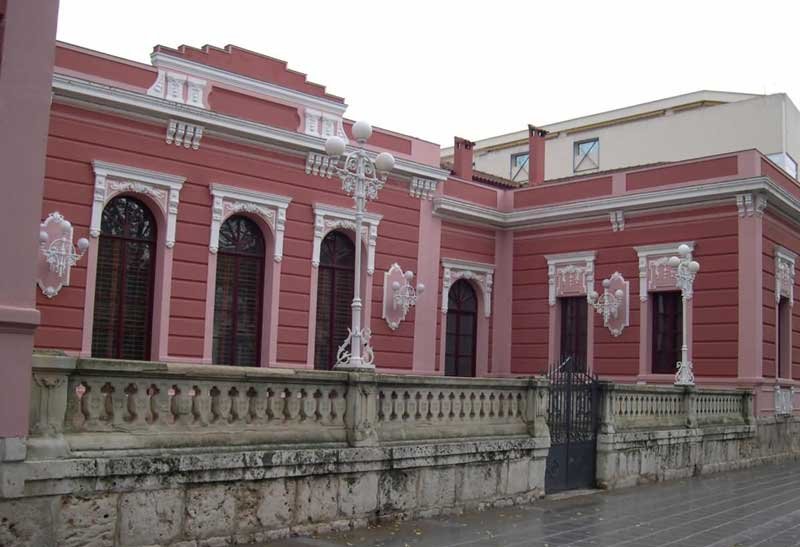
(422, 188)
(751, 204)
(230, 200)
(179, 88)
(323, 124)
(328, 218)
(399, 295)
(112, 179)
(481, 274)
(58, 254)
(784, 274)
(184, 134)
(569, 274)
(617, 220)
(613, 304)
(654, 269)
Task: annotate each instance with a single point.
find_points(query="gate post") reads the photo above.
(536, 406)
(690, 396)
(361, 409)
(608, 424)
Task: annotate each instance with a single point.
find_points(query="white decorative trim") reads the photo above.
(184, 134)
(617, 220)
(323, 124)
(170, 62)
(422, 188)
(656, 256)
(784, 274)
(480, 273)
(179, 88)
(565, 266)
(751, 204)
(229, 200)
(68, 89)
(112, 179)
(328, 218)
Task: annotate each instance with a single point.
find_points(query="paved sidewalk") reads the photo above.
(756, 507)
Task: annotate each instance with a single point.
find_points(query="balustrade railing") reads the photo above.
(104, 404)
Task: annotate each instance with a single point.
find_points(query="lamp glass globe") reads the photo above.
(83, 244)
(384, 162)
(420, 288)
(396, 286)
(683, 249)
(362, 130)
(694, 266)
(674, 261)
(334, 146)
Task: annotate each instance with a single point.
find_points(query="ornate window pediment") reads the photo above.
(569, 274)
(111, 180)
(655, 272)
(229, 200)
(481, 274)
(784, 274)
(328, 218)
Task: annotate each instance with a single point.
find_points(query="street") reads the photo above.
(754, 507)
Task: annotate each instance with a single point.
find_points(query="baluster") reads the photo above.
(418, 412)
(256, 406)
(292, 408)
(339, 404)
(182, 405)
(383, 406)
(202, 405)
(308, 407)
(92, 405)
(406, 407)
(396, 410)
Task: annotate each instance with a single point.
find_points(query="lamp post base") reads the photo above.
(350, 361)
(685, 374)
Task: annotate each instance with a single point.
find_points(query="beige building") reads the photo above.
(696, 124)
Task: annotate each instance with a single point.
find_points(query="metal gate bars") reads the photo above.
(572, 418)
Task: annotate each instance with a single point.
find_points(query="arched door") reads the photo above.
(462, 326)
(334, 297)
(123, 300)
(238, 294)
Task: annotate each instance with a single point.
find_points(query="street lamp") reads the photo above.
(685, 271)
(361, 178)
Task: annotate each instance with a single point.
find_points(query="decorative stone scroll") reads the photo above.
(655, 273)
(569, 274)
(617, 220)
(111, 180)
(328, 218)
(422, 188)
(184, 134)
(751, 205)
(481, 274)
(784, 274)
(229, 200)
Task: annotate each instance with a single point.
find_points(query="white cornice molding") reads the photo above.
(237, 81)
(458, 210)
(111, 179)
(328, 218)
(482, 274)
(230, 200)
(105, 98)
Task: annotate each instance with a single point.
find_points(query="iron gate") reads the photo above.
(572, 418)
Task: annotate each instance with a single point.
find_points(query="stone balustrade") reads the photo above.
(95, 404)
(642, 407)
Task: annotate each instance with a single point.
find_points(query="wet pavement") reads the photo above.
(755, 507)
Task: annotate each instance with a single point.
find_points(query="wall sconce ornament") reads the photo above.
(58, 253)
(399, 295)
(685, 271)
(613, 304)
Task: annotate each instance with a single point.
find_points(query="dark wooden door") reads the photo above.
(573, 330)
(462, 326)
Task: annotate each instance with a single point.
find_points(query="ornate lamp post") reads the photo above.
(361, 178)
(686, 270)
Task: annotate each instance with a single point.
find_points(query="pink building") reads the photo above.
(215, 236)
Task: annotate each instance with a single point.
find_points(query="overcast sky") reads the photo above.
(435, 68)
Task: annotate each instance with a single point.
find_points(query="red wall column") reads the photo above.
(751, 327)
(26, 73)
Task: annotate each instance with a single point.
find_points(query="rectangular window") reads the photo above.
(667, 331)
(573, 330)
(784, 339)
(586, 155)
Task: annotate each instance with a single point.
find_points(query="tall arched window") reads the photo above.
(334, 297)
(238, 295)
(123, 301)
(462, 326)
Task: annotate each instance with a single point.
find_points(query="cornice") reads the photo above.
(95, 96)
(284, 94)
(458, 210)
(126, 172)
(253, 196)
(459, 264)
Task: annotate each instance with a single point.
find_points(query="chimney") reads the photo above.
(535, 155)
(462, 158)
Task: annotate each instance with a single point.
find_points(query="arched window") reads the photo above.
(334, 297)
(238, 295)
(123, 301)
(462, 326)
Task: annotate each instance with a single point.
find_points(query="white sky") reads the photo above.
(436, 68)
